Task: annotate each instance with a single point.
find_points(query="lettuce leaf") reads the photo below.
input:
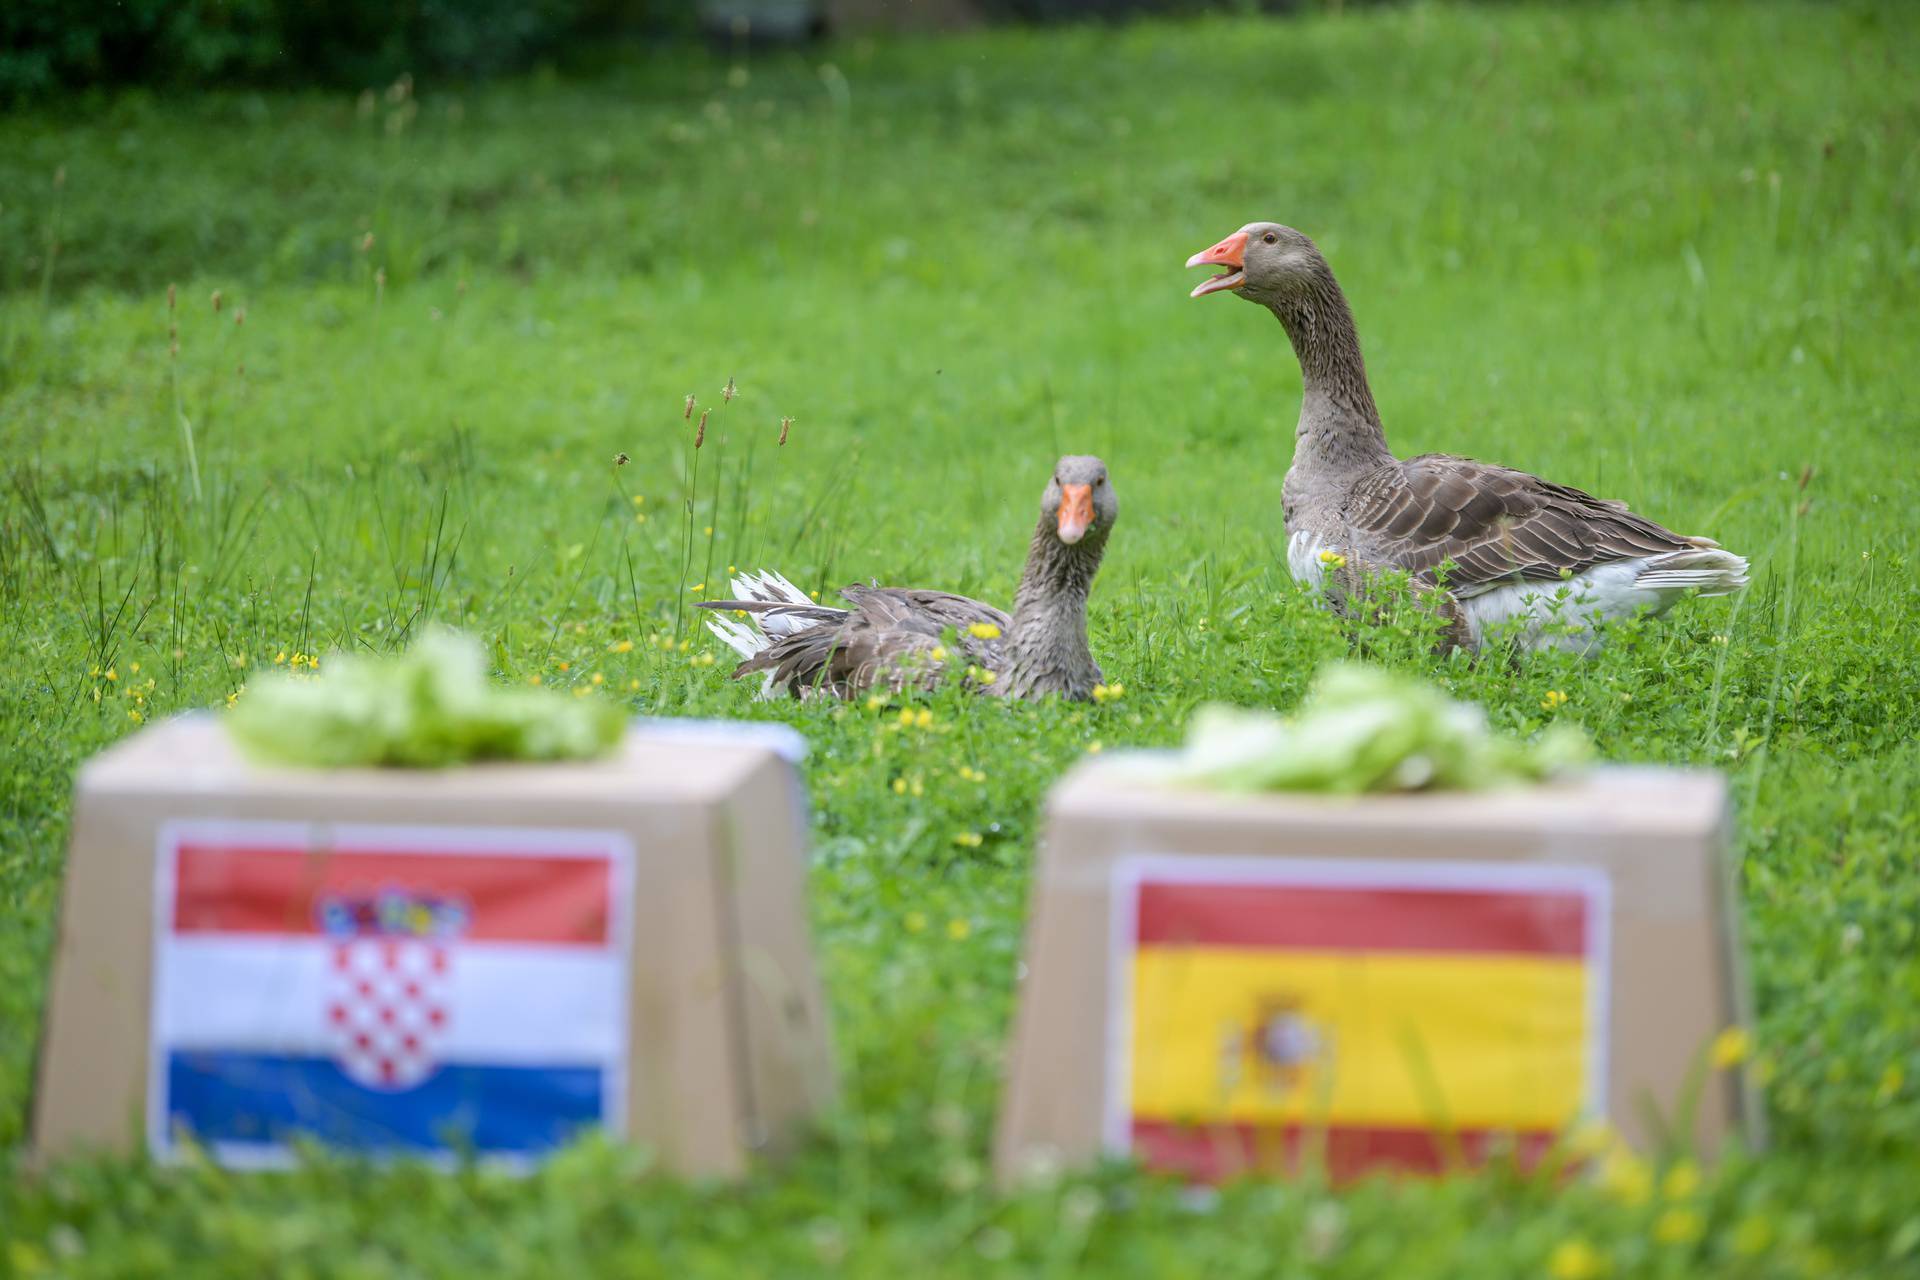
(1362, 729)
(429, 707)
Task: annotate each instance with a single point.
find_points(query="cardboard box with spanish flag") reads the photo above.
(484, 961)
(1219, 984)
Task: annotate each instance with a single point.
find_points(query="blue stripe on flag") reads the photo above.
(267, 1100)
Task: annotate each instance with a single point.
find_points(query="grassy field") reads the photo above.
(1670, 254)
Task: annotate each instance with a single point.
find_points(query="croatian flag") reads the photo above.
(437, 992)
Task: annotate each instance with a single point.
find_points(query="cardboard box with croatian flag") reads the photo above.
(1221, 984)
(484, 961)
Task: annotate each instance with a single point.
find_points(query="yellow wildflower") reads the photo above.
(906, 717)
(580, 691)
(1625, 1177)
(917, 787)
(939, 653)
(1753, 1236)
(875, 701)
(1890, 1081)
(1093, 748)
(1553, 701)
(135, 716)
(639, 517)
(984, 631)
(987, 677)
(134, 667)
(1576, 1260)
(1731, 1047)
(698, 587)
(916, 922)
(566, 666)
(968, 839)
(1333, 559)
(235, 695)
(622, 646)
(814, 594)
(534, 678)
(639, 499)
(1679, 1226)
(634, 685)
(1108, 692)
(958, 929)
(924, 718)
(899, 786)
(597, 678)
(278, 658)
(1681, 1181)
(112, 674)
(1592, 1138)
(731, 569)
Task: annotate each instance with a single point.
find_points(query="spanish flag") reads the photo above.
(1371, 1015)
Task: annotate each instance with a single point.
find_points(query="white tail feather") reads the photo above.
(1709, 570)
(737, 636)
(748, 636)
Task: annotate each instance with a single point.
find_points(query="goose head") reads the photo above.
(1079, 503)
(1264, 262)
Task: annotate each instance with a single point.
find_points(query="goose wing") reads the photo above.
(888, 635)
(1494, 524)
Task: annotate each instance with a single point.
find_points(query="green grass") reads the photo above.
(1670, 254)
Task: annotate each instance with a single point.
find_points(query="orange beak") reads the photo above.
(1076, 511)
(1230, 253)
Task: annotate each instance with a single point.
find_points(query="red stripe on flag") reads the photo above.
(1217, 1152)
(508, 898)
(1322, 918)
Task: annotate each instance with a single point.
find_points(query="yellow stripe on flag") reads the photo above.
(1415, 1039)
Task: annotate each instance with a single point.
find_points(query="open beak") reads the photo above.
(1230, 253)
(1076, 512)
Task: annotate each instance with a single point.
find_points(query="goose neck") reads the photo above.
(1339, 423)
(1047, 640)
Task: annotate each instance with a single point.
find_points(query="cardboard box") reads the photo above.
(1225, 983)
(478, 960)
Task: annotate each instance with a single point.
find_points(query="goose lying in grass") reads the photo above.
(898, 637)
(1511, 546)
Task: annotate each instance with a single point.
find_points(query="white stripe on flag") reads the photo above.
(505, 1005)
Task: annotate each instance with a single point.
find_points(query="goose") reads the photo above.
(1495, 545)
(900, 637)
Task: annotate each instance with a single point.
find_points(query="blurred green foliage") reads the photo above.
(52, 45)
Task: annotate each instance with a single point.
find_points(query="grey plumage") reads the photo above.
(897, 637)
(1504, 539)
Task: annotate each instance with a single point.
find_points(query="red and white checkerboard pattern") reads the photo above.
(387, 1008)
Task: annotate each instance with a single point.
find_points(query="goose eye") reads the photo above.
(1268, 237)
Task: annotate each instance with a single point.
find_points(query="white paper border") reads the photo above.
(1123, 914)
(416, 838)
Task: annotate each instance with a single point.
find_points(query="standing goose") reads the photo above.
(894, 637)
(1510, 541)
